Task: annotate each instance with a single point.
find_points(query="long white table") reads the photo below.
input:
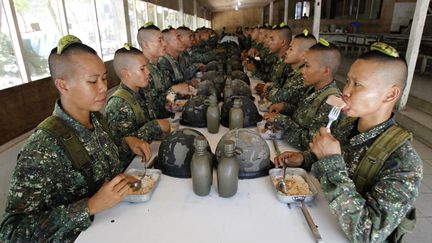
(176, 214)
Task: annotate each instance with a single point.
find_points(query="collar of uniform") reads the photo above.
(312, 94)
(372, 133)
(134, 94)
(82, 132)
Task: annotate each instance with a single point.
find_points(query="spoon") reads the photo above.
(137, 184)
(282, 182)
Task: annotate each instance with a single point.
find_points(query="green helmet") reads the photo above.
(250, 112)
(175, 153)
(212, 66)
(207, 88)
(241, 88)
(194, 112)
(252, 152)
(235, 65)
(217, 78)
(240, 75)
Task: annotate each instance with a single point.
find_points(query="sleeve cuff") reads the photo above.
(81, 217)
(329, 164)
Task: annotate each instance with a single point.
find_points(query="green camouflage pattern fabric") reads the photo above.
(171, 69)
(246, 43)
(187, 66)
(279, 73)
(47, 199)
(290, 93)
(295, 131)
(374, 216)
(122, 120)
(202, 54)
(155, 96)
(212, 42)
(264, 67)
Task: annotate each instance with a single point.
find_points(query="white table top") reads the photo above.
(176, 214)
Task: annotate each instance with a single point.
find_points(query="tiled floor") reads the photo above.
(423, 230)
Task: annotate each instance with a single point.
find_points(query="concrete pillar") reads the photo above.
(271, 13)
(286, 11)
(316, 18)
(416, 33)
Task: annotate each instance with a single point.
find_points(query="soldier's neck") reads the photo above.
(282, 52)
(296, 66)
(173, 53)
(322, 83)
(82, 116)
(130, 85)
(370, 121)
(151, 58)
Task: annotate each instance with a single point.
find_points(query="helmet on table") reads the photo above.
(250, 112)
(252, 152)
(175, 153)
(194, 112)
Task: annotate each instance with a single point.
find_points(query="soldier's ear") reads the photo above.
(393, 94)
(124, 73)
(61, 85)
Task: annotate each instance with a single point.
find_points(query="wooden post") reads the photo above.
(416, 33)
(316, 19)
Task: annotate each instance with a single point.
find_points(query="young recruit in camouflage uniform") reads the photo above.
(296, 132)
(170, 67)
(155, 93)
(123, 122)
(290, 93)
(47, 198)
(202, 53)
(279, 74)
(374, 216)
(263, 68)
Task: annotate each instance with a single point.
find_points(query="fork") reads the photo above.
(332, 116)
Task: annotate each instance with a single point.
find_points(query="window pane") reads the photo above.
(138, 17)
(82, 21)
(112, 26)
(9, 72)
(188, 21)
(151, 10)
(40, 29)
(159, 13)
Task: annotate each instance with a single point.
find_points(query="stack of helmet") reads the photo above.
(207, 88)
(252, 152)
(240, 88)
(175, 153)
(240, 75)
(194, 112)
(212, 66)
(250, 112)
(218, 80)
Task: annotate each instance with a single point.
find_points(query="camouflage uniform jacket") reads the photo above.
(202, 54)
(296, 132)
(123, 122)
(171, 69)
(264, 69)
(47, 199)
(155, 93)
(291, 92)
(374, 216)
(279, 74)
(187, 67)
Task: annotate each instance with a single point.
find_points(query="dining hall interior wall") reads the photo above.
(231, 19)
(25, 106)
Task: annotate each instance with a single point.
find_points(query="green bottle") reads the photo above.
(228, 90)
(227, 171)
(213, 115)
(201, 167)
(236, 115)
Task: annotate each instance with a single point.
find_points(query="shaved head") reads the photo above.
(124, 58)
(392, 70)
(328, 56)
(62, 65)
(146, 34)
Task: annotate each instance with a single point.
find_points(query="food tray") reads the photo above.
(292, 199)
(147, 196)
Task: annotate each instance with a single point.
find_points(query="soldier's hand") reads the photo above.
(260, 88)
(139, 147)
(324, 144)
(270, 116)
(277, 108)
(164, 125)
(289, 158)
(194, 83)
(202, 67)
(109, 195)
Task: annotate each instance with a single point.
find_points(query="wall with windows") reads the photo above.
(29, 29)
(372, 15)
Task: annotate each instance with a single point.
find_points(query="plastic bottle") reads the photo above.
(213, 115)
(227, 171)
(201, 167)
(236, 115)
